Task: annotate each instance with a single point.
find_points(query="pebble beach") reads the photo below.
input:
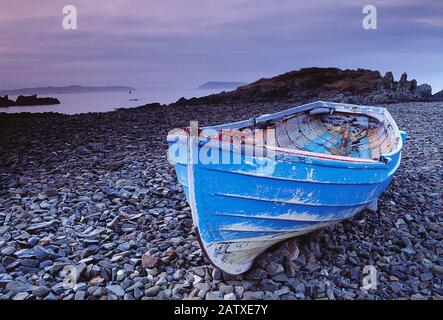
(90, 208)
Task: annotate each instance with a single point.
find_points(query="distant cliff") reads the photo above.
(63, 90)
(331, 84)
(27, 101)
(221, 85)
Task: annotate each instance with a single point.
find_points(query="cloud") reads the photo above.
(430, 21)
(188, 42)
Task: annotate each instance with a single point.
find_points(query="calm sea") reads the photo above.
(73, 103)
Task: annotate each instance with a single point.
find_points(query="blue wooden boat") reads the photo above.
(278, 176)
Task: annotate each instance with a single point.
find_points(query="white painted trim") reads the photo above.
(192, 144)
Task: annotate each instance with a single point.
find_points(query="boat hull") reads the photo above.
(242, 209)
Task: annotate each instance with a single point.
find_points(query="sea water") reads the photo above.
(73, 103)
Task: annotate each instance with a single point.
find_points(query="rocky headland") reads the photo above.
(329, 84)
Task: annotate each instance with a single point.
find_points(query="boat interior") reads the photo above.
(339, 134)
(317, 131)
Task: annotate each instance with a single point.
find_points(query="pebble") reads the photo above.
(426, 276)
(18, 286)
(178, 274)
(40, 226)
(396, 286)
(197, 279)
(152, 292)
(24, 253)
(213, 295)
(41, 291)
(21, 296)
(41, 253)
(253, 295)
(149, 261)
(117, 290)
(120, 275)
(225, 289)
(274, 268)
(138, 293)
(216, 274)
(229, 296)
(33, 241)
(8, 251)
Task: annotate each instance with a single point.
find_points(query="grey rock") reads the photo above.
(29, 263)
(50, 297)
(230, 296)
(8, 251)
(21, 296)
(203, 288)
(225, 289)
(256, 274)
(120, 275)
(24, 253)
(216, 274)
(239, 291)
(39, 226)
(268, 285)
(41, 291)
(33, 241)
(6, 261)
(152, 292)
(116, 289)
(253, 295)
(18, 286)
(199, 271)
(396, 287)
(426, 276)
(128, 297)
(436, 269)
(179, 274)
(213, 295)
(149, 261)
(79, 295)
(138, 293)
(274, 268)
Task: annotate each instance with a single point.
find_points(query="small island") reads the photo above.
(32, 100)
(221, 85)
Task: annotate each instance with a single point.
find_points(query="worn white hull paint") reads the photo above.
(238, 256)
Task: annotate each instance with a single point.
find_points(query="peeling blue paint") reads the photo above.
(243, 202)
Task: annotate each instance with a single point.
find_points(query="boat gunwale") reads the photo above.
(357, 109)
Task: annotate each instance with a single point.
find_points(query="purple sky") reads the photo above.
(187, 42)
